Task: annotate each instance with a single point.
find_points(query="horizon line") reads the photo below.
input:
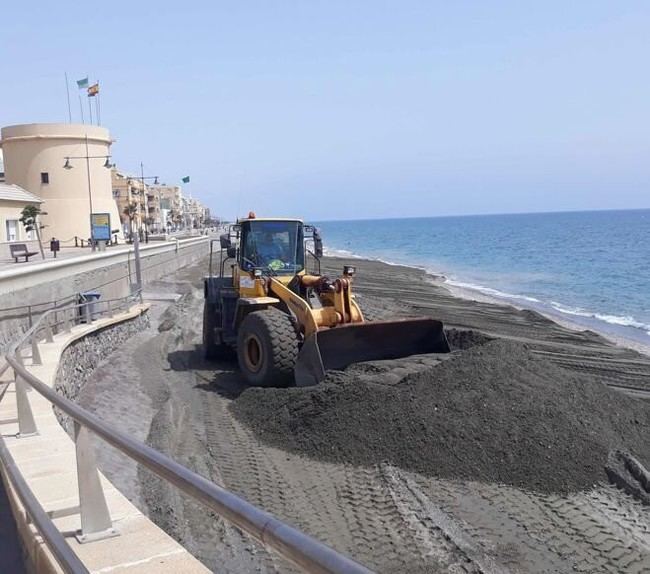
(550, 212)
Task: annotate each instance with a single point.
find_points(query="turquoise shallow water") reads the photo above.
(592, 268)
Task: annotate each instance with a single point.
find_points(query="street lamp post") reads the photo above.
(146, 201)
(87, 157)
(163, 227)
(136, 235)
(136, 239)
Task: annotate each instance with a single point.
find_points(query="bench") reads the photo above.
(20, 250)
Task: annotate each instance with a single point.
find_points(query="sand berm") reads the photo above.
(493, 413)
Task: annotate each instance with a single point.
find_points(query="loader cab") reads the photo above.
(281, 248)
(276, 247)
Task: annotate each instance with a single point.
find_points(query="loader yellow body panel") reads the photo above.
(315, 323)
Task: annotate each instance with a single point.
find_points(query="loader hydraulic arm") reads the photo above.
(297, 304)
(338, 305)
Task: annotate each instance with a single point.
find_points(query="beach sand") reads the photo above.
(392, 518)
(395, 290)
(520, 400)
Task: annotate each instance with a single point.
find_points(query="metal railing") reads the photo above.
(55, 541)
(30, 312)
(295, 546)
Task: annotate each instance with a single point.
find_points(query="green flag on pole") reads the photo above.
(81, 84)
(186, 179)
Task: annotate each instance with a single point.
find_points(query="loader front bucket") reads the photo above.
(338, 347)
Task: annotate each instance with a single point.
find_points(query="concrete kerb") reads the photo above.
(13, 279)
(46, 463)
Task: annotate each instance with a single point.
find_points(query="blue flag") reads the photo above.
(186, 179)
(81, 84)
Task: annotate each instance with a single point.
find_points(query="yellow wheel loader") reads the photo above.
(288, 324)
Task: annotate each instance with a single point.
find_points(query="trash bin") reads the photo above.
(89, 310)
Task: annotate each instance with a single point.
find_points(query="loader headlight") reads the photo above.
(349, 270)
(257, 273)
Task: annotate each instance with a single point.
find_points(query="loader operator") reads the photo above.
(268, 251)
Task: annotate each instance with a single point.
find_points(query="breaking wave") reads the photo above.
(490, 291)
(622, 321)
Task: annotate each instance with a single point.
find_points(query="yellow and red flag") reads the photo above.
(93, 90)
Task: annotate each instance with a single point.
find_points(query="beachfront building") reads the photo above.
(35, 159)
(154, 208)
(194, 213)
(130, 195)
(13, 199)
(169, 206)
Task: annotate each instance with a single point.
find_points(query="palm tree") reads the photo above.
(131, 211)
(29, 218)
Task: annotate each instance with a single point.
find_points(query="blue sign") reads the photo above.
(100, 224)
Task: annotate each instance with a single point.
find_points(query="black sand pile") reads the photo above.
(493, 413)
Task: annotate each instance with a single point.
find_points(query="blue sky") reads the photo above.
(354, 109)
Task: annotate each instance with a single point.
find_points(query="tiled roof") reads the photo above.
(17, 193)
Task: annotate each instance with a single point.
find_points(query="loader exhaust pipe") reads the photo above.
(338, 347)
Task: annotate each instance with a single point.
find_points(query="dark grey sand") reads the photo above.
(495, 412)
(161, 390)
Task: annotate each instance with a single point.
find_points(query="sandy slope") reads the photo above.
(159, 387)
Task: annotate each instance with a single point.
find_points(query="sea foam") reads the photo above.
(623, 321)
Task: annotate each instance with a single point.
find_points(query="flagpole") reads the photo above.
(98, 108)
(67, 91)
(81, 107)
(90, 111)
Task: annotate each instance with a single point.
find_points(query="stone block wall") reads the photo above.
(79, 359)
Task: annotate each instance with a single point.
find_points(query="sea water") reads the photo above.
(592, 268)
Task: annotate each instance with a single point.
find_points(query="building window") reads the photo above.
(12, 229)
(45, 177)
(116, 193)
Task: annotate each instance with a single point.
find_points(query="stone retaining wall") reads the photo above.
(80, 359)
(112, 274)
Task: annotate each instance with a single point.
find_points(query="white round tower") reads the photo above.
(35, 159)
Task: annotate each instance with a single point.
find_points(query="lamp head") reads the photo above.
(67, 164)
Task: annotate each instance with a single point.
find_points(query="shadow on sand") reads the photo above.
(221, 377)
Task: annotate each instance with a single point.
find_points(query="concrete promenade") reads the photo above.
(65, 253)
(27, 290)
(70, 252)
(48, 463)
(21, 284)
(11, 559)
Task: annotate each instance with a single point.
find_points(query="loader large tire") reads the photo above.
(267, 348)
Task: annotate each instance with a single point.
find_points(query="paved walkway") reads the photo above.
(11, 559)
(47, 461)
(65, 253)
(7, 262)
